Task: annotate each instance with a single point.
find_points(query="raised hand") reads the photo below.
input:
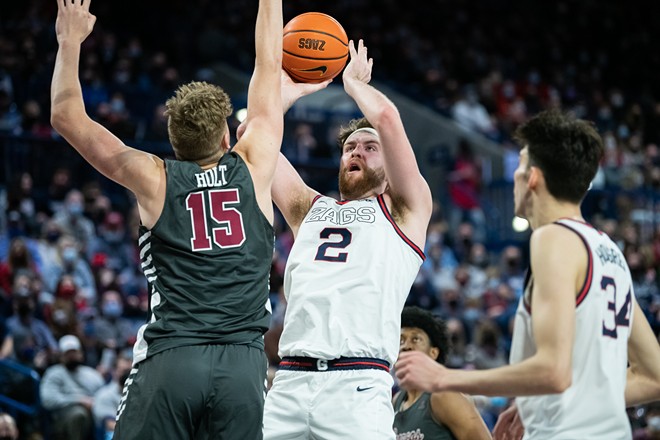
(74, 21)
(417, 371)
(292, 91)
(359, 68)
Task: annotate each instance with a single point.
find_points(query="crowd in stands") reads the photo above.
(69, 262)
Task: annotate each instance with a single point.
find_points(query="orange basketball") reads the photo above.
(315, 47)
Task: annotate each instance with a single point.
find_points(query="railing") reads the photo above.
(19, 382)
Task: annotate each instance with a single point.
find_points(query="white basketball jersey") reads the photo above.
(346, 281)
(593, 407)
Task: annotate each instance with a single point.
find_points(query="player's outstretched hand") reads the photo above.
(74, 21)
(509, 426)
(417, 371)
(292, 91)
(359, 68)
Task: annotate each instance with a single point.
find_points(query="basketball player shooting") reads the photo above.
(348, 274)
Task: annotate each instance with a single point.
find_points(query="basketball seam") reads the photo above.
(316, 32)
(315, 58)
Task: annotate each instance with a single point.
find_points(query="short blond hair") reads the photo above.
(197, 120)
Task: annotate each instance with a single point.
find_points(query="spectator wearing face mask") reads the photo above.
(67, 391)
(112, 330)
(113, 243)
(72, 263)
(40, 345)
(47, 245)
(73, 221)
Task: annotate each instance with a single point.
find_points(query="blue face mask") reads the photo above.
(112, 309)
(69, 255)
(74, 209)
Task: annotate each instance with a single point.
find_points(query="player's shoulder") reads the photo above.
(554, 234)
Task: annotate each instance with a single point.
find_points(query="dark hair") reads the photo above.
(566, 149)
(435, 328)
(348, 129)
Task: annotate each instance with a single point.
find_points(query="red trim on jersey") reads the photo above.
(342, 202)
(590, 264)
(581, 222)
(528, 280)
(388, 216)
(316, 197)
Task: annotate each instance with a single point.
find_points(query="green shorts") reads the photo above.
(195, 392)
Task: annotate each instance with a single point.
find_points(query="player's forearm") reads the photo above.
(530, 377)
(641, 390)
(268, 34)
(66, 92)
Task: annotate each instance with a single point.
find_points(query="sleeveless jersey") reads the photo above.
(207, 260)
(418, 422)
(346, 280)
(593, 407)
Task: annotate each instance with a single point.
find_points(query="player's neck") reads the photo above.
(549, 210)
(412, 396)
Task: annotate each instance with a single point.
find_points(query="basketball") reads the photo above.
(315, 47)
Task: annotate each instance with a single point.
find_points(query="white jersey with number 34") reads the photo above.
(346, 281)
(593, 407)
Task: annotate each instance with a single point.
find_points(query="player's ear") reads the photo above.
(434, 353)
(534, 177)
(225, 143)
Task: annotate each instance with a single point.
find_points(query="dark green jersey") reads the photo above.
(417, 422)
(207, 260)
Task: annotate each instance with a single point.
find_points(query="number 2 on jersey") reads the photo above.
(341, 238)
(620, 318)
(230, 232)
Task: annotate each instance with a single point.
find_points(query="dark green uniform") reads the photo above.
(418, 422)
(207, 261)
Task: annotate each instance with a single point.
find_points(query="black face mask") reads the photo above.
(72, 365)
(24, 310)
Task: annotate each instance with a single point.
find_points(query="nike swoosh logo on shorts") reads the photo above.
(359, 388)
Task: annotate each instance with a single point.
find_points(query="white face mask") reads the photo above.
(654, 424)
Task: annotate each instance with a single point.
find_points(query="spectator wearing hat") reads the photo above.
(67, 391)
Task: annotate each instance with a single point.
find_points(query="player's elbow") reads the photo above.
(387, 116)
(57, 121)
(60, 118)
(557, 379)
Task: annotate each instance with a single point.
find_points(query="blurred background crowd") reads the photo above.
(69, 262)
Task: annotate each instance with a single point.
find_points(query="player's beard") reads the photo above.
(352, 188)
